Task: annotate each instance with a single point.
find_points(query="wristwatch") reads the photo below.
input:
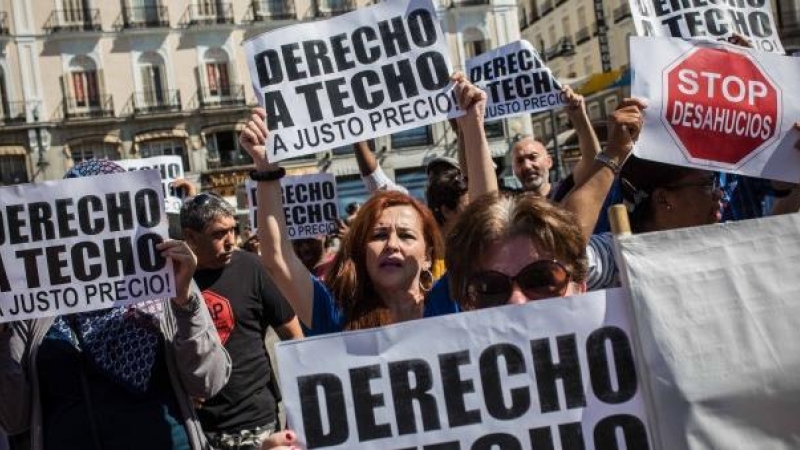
(609, 162)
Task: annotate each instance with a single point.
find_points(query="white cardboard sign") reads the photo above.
(716, 311)
(716, 106)
(169, 167)
(529, 376)
(375, 71)
(82, 244)
(516, 81)
(708, 20)
(310, 204)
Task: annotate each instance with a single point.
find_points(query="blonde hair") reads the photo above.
(497, 217)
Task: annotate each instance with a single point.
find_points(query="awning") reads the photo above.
(624, 79)
(12, 150)
(598, 82)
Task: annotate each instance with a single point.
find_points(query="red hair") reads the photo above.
(348, 279)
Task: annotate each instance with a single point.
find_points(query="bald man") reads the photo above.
(531, 164)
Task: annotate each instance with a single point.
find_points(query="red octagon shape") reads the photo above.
(720, 106)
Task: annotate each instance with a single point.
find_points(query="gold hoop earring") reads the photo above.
(428, 280)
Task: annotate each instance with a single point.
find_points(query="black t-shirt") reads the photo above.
(243, 302)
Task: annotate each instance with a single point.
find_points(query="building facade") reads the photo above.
(124, 79)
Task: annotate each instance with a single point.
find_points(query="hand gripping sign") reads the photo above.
(82, 244)
(718, 106)
(516, 81)
(372, 72)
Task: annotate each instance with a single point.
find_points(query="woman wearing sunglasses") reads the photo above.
(514, 249)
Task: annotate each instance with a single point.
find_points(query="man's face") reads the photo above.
(531, 164)
(214, 246)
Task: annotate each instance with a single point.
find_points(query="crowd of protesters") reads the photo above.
(204, 378)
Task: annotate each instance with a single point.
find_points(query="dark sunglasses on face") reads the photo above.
(544, 278)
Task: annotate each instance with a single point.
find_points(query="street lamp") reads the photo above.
(42, 163)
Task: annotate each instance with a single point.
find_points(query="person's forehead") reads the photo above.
(400, 215)
(220, 222)
(510, 255)
(529, 147)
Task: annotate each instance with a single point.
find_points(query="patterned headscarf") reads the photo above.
(121, 342)
(93, 167)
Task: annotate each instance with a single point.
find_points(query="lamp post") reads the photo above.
(41, 164)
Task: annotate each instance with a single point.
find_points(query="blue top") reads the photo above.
(328, 317)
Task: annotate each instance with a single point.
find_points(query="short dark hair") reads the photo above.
(201, 209)
(445, 188)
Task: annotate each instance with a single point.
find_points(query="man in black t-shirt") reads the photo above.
(244, 303)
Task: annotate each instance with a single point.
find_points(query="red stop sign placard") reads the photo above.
(720, 106)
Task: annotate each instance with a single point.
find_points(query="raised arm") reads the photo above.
(277, 254)
(587, 139)
(481, 178)
(586, 199)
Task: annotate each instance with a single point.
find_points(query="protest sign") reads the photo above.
(309, 204)
(82, 244)
(527, 376)
(712, 105)
(714, 20)
(375, 71)
(169, 167)
(716, 311)
(516, 81)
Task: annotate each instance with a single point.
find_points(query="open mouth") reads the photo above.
(391, 263)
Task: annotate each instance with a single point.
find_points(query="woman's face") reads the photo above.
(513, 258)
(396, 250)
(694, 200)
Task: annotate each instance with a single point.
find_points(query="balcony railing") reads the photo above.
(223, 97)
(88, 107)
(622, 12)
(330, 8)
(144, 17)
(4, 23)
(211, 13)
(155, 102)
(471, 2)
(582, 35)
(564, 47)
(79, 19)
(15, 112)
(262, 11)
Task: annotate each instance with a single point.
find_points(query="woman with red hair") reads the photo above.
(382, 271)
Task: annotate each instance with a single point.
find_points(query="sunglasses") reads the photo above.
(544, 278)
(201, 199)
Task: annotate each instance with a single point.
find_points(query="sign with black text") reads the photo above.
(717, 106)
(169, 167)
(557, 371)
(309, 204)
(372, 72)
(516, 81)
(82, 244)
(714, 20)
